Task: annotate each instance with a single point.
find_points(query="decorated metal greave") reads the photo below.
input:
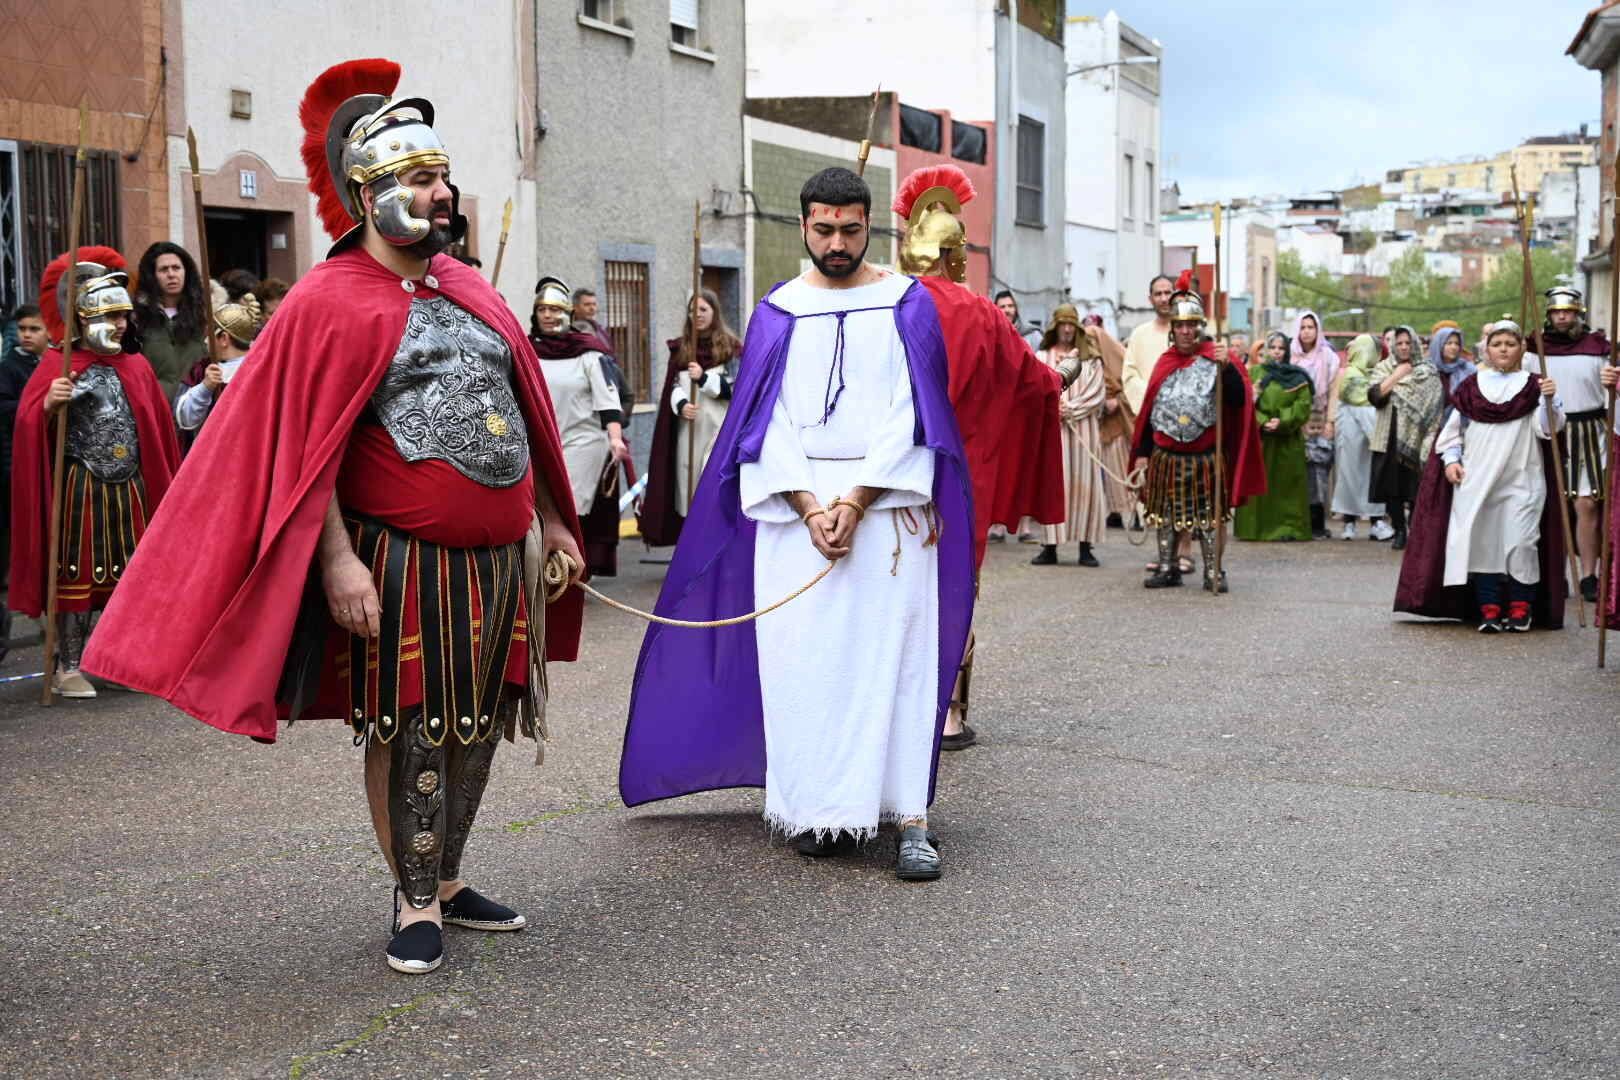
(416, 813)
(1185, 406)
(101, 426)
(72, 629)
(447, 396)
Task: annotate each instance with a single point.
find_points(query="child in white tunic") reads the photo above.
(1494, 530)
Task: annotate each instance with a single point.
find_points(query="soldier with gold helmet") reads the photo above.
(396, 481)
(1574, 355)
(1176, 435)
(120, 456)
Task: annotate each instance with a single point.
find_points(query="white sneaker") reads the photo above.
(1381, 530)
(69, 683)
(1349, 531)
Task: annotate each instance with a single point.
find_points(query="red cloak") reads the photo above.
(207, 607)
(1421, 588)
(34, 452)
(1240, 448)
(1006, 404)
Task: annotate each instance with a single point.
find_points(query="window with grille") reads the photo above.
(968, 142)
(1031, 206)
(12, 288)
(627, 316)
(45, 187)
(921, 128)
(683, 22)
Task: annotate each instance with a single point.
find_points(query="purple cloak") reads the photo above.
(1422, 589)
(696, 718)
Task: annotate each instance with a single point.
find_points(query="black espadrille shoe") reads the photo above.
(467, 908)
(418, 948)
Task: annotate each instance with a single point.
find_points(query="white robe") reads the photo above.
(1495, 524)
(711, 416)
(849, 671)
(579, 391)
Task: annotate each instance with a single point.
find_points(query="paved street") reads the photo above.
(1277, 833)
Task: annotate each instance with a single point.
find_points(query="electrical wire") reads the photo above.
(1354, 301)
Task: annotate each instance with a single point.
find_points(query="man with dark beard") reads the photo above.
(395, 482)
(840, 447)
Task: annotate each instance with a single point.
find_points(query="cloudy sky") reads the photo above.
(1267, 96)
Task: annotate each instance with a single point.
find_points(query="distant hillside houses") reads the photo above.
(1459, 214)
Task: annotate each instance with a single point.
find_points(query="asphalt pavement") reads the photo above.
(1277, 833)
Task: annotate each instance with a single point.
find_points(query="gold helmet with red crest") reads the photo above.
(357, 136)
(930, 200)
(1185, 303)
(97, 290)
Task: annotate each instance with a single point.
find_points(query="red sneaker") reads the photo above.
(1490, 619)
(1518, 616)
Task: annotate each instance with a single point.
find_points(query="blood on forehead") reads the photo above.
(834, 215)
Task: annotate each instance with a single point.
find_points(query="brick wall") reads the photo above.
(779, 172)
(110, 53)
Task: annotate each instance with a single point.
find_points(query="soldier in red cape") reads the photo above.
(359, 528)
(121, 455)
(1175, 435)
(1005, 399)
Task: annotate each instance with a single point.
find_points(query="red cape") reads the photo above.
(34, 452)
(206, 609)
(1006, 404)
(1245, 469)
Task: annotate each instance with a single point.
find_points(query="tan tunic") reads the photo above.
(1085, 508)
(1147, 343)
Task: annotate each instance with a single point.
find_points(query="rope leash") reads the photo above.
(560, 570)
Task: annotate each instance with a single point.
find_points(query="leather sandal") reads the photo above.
(917, 859)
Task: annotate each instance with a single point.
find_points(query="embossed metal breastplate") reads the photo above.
(447, 396)
(1185, 407)
(101, 426)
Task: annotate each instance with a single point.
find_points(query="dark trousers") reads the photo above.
(1396, 508)
(1489, 589)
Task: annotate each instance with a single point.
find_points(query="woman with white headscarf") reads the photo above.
(1311, 351)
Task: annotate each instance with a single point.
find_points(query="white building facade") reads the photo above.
(1111, 180)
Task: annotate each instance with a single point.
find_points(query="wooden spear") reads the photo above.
(70, 322)
(500, 249)
(866, 143)
(1531, 317)
(1605, 574)
(202, 244)
(1220, 416)
(691, 352)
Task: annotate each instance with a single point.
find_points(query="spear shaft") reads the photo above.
(1605, 572)
(500, 249)
(70, 322)
(691, 354)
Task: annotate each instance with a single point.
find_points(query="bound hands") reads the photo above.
(831, 531)
(58, 394)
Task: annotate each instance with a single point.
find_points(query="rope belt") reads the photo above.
(560, 569)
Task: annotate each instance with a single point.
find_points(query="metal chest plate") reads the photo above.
(101, 426)
(1185, 407)
(447, 396)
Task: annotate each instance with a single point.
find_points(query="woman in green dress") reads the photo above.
(1282, 401)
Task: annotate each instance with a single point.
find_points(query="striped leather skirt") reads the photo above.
(102, 521)
(1586, 436)
(1179, 490)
